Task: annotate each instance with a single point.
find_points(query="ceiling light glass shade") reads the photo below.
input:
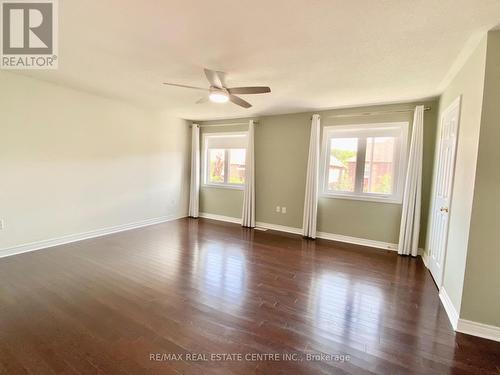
(218, 97)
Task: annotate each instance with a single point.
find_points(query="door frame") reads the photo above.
(455, 103)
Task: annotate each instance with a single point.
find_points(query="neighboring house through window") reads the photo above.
(365, 161)
(223, 159)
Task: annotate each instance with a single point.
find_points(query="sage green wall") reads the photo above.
(226, 202)
(281, 148)
(469, 84)
(375, 220)
(481, 295)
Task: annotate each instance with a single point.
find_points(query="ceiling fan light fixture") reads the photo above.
(219, 93)
(218, 97)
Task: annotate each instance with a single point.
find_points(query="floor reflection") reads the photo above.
(220, 275)
(345, 308)
(208, 287)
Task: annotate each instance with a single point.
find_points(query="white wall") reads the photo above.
(72, 162)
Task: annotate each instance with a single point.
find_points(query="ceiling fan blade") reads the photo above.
(237, 100)
(222, 78)
(215, 78)
(202, 100)
(185, 86)
(249, 90)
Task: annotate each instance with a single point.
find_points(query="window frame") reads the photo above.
(362, 132)
(205, 160)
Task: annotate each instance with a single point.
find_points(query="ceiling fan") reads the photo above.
(219, 93)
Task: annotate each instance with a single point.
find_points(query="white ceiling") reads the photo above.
(314, 54)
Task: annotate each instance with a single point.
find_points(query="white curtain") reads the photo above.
(248, 217)
(410, 217)
(194, 188)
(311, 198)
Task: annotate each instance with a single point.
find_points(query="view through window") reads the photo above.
(379, 165)
(365, 161)
(342, 168)
(225, 159)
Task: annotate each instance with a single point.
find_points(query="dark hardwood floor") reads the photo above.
(108, 305)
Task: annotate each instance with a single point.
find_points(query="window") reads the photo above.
(224, 159)
(365, 162)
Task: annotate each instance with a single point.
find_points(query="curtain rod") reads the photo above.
(357, 114)
(375, 113)
(225, 124)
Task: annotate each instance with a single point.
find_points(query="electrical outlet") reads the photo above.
(278, 209)
(283, 210)
(1, 224)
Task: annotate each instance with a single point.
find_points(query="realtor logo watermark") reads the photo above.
(29, 34)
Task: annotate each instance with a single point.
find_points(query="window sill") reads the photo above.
(223, 186)
(362, 198)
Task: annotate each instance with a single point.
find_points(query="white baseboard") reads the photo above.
(280, 228)
(449, 308)
(424, 257)
(358, 241)
(43, 244)
(227, 219)
(235, 220)
(294, 230)
(485, 331)
(463, 325)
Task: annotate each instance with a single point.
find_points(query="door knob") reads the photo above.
(443, 209)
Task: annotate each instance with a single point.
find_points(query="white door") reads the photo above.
(447, 144)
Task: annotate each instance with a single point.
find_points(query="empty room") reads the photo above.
(240, 187)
